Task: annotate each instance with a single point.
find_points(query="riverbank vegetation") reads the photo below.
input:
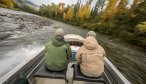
(19, 5)
(117, 18)
(7, 4)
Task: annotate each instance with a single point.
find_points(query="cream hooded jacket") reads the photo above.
(91, 58)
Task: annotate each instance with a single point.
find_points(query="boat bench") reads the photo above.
(80, 77)
(43, 72)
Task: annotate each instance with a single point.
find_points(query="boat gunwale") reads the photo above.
(18, 70)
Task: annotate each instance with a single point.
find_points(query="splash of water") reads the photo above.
(18, 55)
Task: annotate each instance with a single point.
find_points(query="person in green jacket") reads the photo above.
(57, 52)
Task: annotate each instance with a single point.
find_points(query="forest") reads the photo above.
(114, 18)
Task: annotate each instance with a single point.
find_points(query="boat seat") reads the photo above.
(80, 77)
(43, 72)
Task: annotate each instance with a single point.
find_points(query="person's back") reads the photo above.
(57, 53)
(91, 58)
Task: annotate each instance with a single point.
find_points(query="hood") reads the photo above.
(90, 43)
(58, 41)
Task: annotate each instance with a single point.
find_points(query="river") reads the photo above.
(22, 34)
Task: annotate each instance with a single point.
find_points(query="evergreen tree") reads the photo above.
(97, 8)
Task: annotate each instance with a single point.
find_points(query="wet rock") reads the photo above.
(35, 28)
(9, 15)
(3, 14)
(1, 19)
(4, 36)
(56, 27)
(21, 26)
(7, 19)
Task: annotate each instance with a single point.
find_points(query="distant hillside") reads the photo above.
(26, 2)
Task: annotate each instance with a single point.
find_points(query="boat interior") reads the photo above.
(34, 72)
(44, 76)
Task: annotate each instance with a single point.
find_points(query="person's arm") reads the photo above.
(103, 51)
(46, 46)
(69, 53)
(104, 55)
(78, 55)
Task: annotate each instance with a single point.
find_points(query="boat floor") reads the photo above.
(60, 81)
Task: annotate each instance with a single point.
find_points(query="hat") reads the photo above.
(91, 33)
(59, 32)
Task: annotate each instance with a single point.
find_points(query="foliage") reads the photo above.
(109, 11)
(122, 6)
(142, 27)
(83, 12)
(114, 18)
(98, 7)
(7, 3)
(26, 8)
(69, 14)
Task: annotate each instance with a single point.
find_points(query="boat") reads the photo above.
(33, 70)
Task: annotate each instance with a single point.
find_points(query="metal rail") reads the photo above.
(114, 75)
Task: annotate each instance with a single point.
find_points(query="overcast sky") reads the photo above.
(40, 2)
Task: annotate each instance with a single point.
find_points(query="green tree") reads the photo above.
(77, 6)
(139, 13)
(142, 27)
(97, 8)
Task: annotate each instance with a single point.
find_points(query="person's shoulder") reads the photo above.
(66, 44)
(48, 43)
(81, 48)
(101, 48)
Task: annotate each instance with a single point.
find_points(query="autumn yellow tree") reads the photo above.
(7, 3)
(69, 14)
(83, 12)
(53, 10)
(141, 27)
(121, 6)
(110, 10)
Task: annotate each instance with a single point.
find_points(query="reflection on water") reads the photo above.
(14, 57)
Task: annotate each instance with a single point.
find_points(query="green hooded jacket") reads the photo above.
(57, 53)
